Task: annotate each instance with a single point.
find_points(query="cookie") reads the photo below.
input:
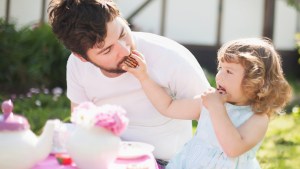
(131, 62)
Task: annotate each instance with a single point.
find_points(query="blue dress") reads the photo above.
(203, 151)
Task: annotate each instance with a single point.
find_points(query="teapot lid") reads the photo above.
(10, 121)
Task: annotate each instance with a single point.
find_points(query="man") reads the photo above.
(100, 41)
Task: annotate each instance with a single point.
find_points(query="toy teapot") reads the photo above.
(20, 148)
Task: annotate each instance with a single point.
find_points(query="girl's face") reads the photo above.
(229, 81)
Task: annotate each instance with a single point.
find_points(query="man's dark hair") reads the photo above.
(81, 24)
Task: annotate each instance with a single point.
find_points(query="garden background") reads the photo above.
(32, 74)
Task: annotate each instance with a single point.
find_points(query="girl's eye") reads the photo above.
(228, 71)
(219, 68)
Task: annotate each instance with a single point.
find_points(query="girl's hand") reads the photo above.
(212, 98)
(140, 71)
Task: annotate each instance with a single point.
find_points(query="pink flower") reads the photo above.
(110, 117)
(113, 118)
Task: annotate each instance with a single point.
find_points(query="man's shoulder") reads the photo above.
(154, 38)
(157, 43)
(145, 34)
(162, 50)
(74, 60)
(74, 63)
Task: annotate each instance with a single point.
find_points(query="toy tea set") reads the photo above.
(94, 143)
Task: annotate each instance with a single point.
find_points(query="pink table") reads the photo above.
(143, 162)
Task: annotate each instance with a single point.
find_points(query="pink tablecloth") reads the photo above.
(143, 162)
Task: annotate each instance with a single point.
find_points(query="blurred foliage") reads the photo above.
(297, 37)
(281, 146)
(295, 100)
(30, 57)
(38, 107)
(294, 3)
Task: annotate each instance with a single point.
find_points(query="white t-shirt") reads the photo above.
(170, 64)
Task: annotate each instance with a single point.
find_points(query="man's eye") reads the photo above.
(123, 35)
(107, 51)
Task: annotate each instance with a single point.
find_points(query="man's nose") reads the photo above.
(124, 48)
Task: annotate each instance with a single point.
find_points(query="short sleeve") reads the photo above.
(75, 90)
(188, 81)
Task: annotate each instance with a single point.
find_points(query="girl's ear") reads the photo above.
(80, 57)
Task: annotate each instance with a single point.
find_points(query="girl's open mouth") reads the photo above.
(221, 89)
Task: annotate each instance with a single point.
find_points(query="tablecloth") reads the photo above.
(142, 162)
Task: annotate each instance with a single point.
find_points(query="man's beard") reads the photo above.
(117, 70)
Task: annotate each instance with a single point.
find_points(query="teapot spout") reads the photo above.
(45, 141)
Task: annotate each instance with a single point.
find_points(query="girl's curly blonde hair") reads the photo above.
(263, 83)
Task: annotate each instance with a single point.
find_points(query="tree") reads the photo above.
(294, 3)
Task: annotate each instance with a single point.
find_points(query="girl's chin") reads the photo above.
(234, 103)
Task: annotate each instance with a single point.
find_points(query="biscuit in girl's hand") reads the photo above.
(131, 62)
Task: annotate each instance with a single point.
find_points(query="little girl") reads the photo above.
(234, 117)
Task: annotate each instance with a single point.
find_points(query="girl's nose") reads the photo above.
(219, 76)
(124, 48)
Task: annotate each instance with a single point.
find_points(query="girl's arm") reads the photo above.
(179, 109)
(234, 141)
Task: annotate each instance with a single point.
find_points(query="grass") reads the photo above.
(281, 146)
(38, 106)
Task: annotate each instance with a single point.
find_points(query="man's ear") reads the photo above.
(80, 57)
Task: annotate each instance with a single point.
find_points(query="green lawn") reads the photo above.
(281, 146)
